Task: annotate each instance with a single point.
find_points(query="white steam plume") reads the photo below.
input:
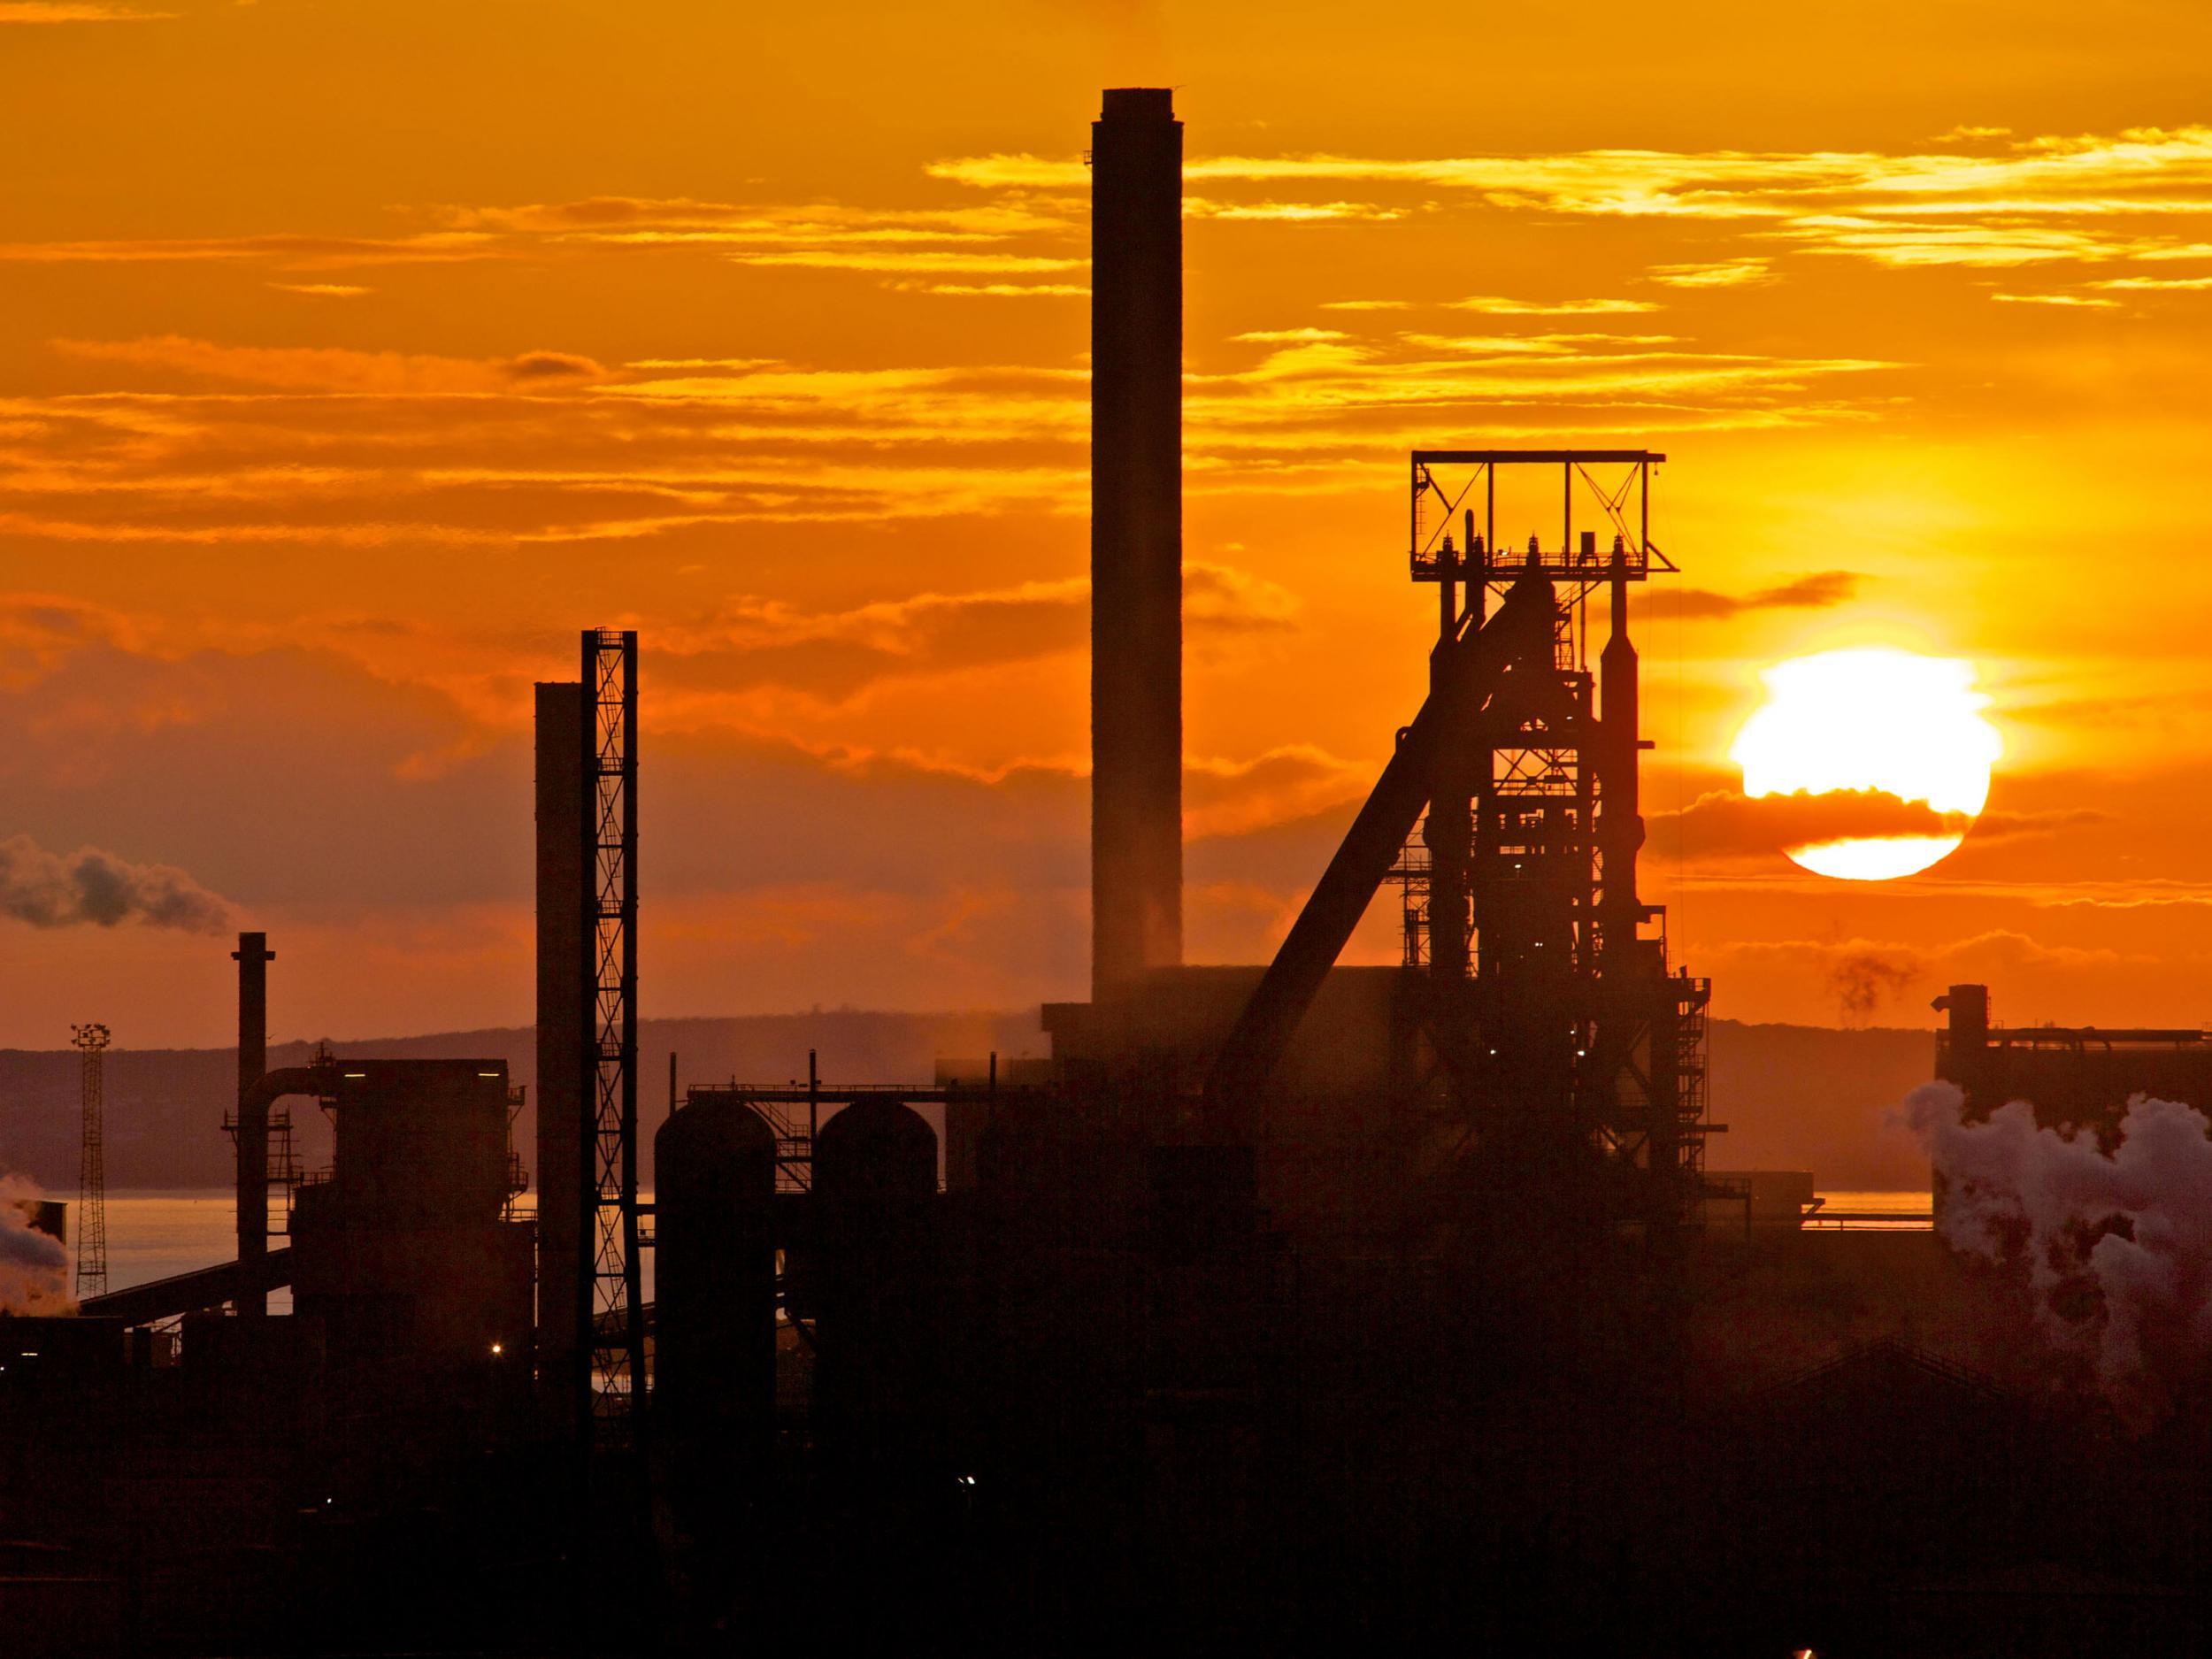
(34, 1266)
(89, 886)
(2117, 1245)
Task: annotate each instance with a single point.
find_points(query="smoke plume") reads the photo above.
(34, 1266)
(1863, 977)
(49, 890)
(2116, 1244)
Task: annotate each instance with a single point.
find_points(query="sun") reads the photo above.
(1880, 719)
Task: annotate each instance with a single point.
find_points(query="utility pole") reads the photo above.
(92, 1180)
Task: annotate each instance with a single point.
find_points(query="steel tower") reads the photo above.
(613, 1309)
(1560, 1071)
(92, 1202)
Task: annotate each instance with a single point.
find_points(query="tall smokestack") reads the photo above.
(564, 1002)
(1136, 536)
(253, 957)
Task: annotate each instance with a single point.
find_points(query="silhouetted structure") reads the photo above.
(1292, 1305)
(591, 1305)
(2072, 1075)
(253, 956)
(1136, 537)
(563, 1002)
(715, 1246)
(92, 1179)
(403, 1252)
(616, 1312)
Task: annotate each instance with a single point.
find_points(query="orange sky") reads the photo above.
(354, 353)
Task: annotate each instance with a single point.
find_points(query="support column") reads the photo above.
(253, 956)
(564, 1002)
(1136, 536)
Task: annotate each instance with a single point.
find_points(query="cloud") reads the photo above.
(90, 886)
(62, 11)
(634, 220)
(2027, 202)
(752, 644)
(2155, 285)
(39, 632)
(1288, 212)
(289, 252)
(1222, 598)
(1723, 824)
(1235, 797)
(322, 291)
(1356, 383)
(1994, 826)
(337, 369)
(2082, 300)
(1589, 347)
(1819, 591)
(936, 260)
(202, 443)
(1726, 274)
(1498, 305)
(995, 290)
(1987, 242)
(1861, 977)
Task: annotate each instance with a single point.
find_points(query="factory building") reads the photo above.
(1294, 1303)
(2072, 1075)
(403, 1252)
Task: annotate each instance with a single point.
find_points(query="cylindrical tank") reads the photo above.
(715, 1267)
(876, 1276)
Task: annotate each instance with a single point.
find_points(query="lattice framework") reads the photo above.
(92, 1202)
(615, 1313)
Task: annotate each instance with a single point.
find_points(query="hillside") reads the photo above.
(165, 1106)
(1792, 1096)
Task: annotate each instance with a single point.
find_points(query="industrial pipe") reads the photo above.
(319, 1082)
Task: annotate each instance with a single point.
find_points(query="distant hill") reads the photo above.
(1792, 1096)
(1808, 1097)
(165, 1106)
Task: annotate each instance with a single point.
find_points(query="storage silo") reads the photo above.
(875, 1197)
(715, 1349)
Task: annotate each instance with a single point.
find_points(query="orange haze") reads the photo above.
(353, 354)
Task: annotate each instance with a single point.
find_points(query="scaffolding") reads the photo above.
(1564, 1056)
(91, 1041)
(614, 1310)
(1561, 1033)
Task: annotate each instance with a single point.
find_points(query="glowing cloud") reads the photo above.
(1907, 726)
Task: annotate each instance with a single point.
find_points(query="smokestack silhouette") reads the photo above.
(564, 1001)
(253, 957)
(1136, 536)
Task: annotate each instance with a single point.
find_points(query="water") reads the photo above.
(1905, 1211)
(153, 1234)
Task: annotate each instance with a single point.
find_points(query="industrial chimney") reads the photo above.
(253, 957)
(1136, 536)
(564, 1001)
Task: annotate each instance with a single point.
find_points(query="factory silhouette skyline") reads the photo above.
(1297, 1303)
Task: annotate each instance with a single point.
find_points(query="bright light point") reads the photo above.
(1877, 719)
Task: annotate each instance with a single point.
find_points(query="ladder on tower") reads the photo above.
(92, 1198)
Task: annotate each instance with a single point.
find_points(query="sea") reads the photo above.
(152, 1235)
(1874, 1212)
